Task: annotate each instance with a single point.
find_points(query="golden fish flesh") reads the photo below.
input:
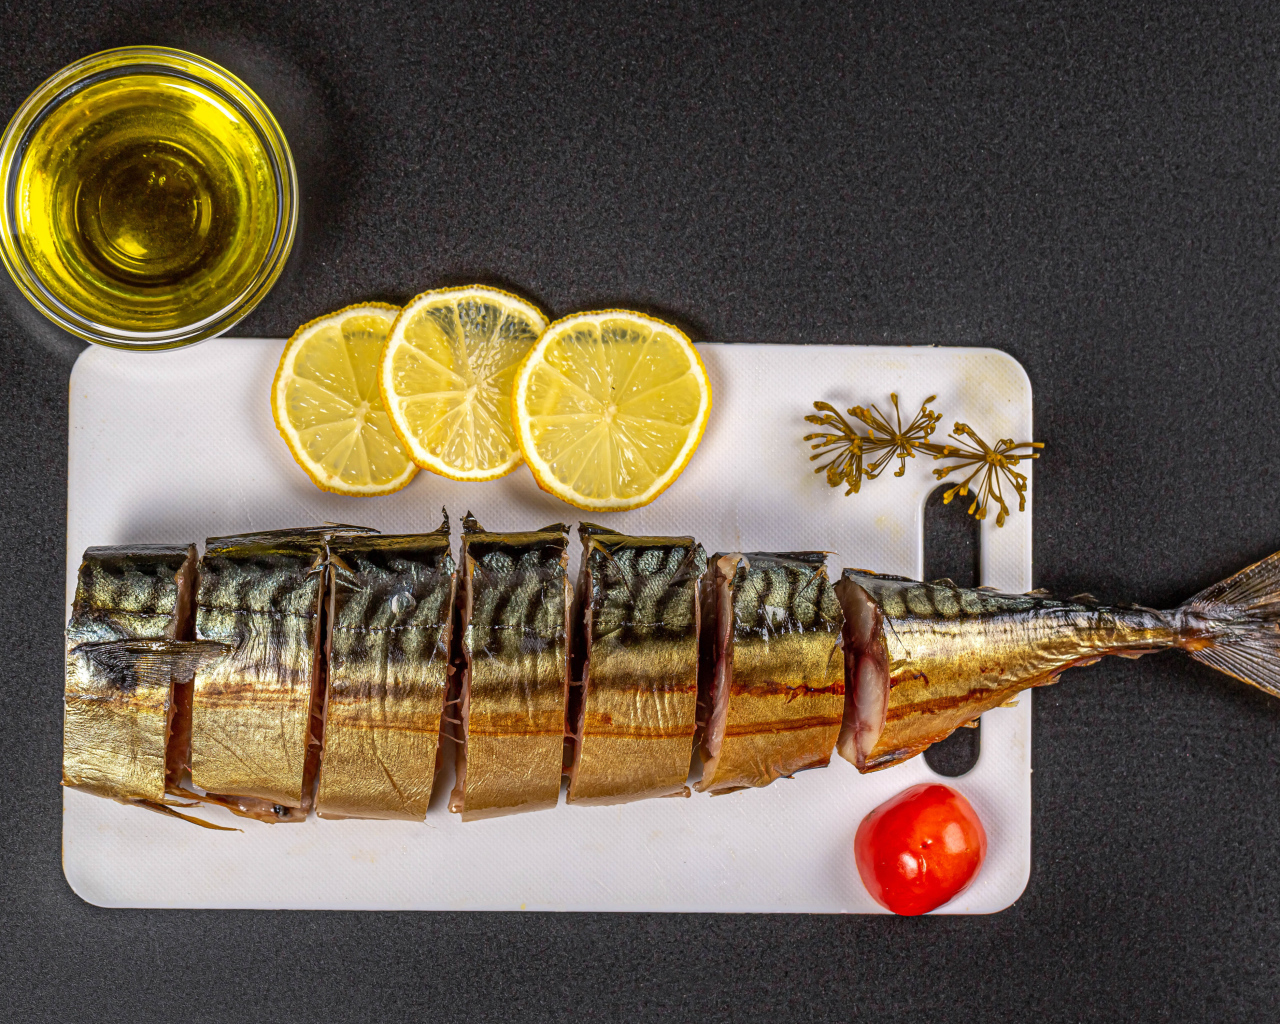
(926, 658)
(635, 723)
(391, 616)
(323, 665)
(775, 697)
(255, 715)
(515, 602)
(119, 701)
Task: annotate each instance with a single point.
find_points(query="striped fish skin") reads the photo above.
(634, 736)
(252, 728)
(952, 653)
(391, 615)
(777, 693)
(131, 603)
(516, 602)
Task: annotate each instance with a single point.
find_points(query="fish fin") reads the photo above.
(168, 808)
(1083, 599)
(342, 575)
(331, 527)
(1239, 628)
(1038, 592)
(131, 661)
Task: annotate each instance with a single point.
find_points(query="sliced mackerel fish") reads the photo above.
(635, 722)
(775, 697)
(391, 618)
(129, 666)
(515, 602)
(256, 715)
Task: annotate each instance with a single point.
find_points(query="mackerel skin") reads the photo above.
(777, 690)
(953, 653)
(634, 737)
(516, 603)
(252, 727)
(130, 604)
(391, 610)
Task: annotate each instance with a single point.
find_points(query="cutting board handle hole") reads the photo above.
(952, 548)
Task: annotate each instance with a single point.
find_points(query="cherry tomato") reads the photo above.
(920, 849)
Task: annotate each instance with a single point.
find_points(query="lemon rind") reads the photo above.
(423, 459)
(538, 466)
(288, 357)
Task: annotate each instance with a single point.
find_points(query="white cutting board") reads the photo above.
(179, 446)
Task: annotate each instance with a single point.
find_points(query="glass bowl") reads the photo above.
(149, 198)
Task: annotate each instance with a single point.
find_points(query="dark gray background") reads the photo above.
(1090, 189)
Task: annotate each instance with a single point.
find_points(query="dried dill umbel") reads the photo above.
(852, 457)
(887, 442)
(842, 443)
(991, 468)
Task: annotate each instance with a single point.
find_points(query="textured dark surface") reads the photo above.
(951, 551)
(1092, 190)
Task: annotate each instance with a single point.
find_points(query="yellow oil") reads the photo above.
(146, 202)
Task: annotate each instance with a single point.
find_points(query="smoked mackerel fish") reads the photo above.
(636, 719)
(125, 660)
(256, 714)
(515, 604)
(391, 620)
(775, 699)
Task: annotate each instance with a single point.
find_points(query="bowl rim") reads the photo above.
(118, 62)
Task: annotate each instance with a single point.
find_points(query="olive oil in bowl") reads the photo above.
(149, 200)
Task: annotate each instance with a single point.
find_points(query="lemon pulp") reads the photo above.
(328, 408)
(609, 408)
(446, 378)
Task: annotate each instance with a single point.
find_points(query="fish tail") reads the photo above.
(1234, 625)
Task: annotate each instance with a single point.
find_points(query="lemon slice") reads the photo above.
(609, 408)
(446, 376)
(327, 407)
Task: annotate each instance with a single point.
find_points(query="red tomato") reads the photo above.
(920, 849)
